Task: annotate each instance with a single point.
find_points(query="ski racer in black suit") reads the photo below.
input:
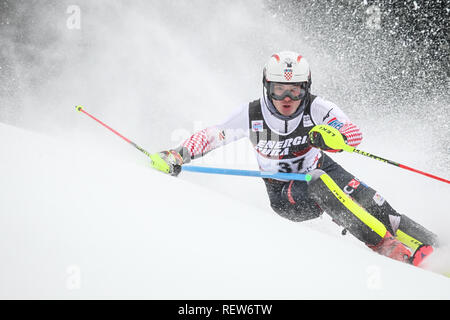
(282, 127)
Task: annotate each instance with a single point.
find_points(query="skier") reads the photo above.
(286, 128)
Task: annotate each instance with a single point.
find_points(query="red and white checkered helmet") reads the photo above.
(287, 67)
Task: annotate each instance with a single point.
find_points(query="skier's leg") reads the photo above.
(355, 218)
(404, 228)
(298, 201)
(343, 210)
(291, 200)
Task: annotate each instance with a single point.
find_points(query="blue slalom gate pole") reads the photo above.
(248, 173)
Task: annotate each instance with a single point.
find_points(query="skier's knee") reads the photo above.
(315, 175)
(298, 206)
(295, 191)
(314, 185)
(298, 213)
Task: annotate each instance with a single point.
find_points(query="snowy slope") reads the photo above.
(77, 222)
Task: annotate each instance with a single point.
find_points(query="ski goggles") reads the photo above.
(295, 91)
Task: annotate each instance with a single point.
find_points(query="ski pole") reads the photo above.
(334, 140)
(248, 173)
(398, 165)
(81, 109)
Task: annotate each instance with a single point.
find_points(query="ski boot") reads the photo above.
(420, 254)
(390, 247)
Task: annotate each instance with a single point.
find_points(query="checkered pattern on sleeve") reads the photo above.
(352, 133)
(199, 143)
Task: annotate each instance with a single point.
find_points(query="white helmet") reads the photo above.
(287, 67)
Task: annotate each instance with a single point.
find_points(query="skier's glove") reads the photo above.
(170, 161)
(327, 138)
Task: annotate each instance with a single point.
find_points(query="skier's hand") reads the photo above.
(167, 161)
(327, 138)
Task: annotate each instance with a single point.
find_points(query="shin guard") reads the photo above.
(344, 210)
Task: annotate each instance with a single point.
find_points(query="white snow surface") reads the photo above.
(77, 222)
(83, 216)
